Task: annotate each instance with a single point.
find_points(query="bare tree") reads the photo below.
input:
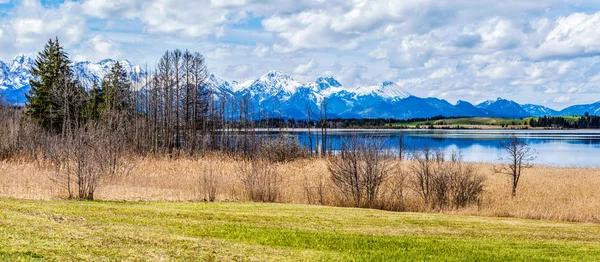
(308, 124)
(423, 172)
(401, 146)
(360, 169)
(323, 119)
(519, 156)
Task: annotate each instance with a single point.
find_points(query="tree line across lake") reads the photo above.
(586, 121)
(578, 122)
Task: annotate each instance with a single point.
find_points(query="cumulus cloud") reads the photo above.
(219, 53)
(97, 48)
(305, 68)
(562, 99)
(30, 25)
(261, 50)
(575, 35)
(242, 72)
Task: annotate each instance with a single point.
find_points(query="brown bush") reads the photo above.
(282, 149)
(360, 169)
(260, 179)
(209, 181)
(445, 184)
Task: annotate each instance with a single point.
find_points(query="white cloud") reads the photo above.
(261, 50)
(379, 53)
(574, 35)
(219, 53)
(443, 72)
(562, 99)
(29, 26)
(105, 9)
(302, 69)
(242, 72)
(499, 33)
(97, 48)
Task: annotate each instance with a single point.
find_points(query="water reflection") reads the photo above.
(554, 147)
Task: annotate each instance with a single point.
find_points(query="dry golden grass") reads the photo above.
(555, 193)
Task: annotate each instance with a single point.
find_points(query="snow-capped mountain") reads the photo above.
(88, 73)
(578, 110)
(15, 75)
(504, 108)
(14, 78)
(276, 94)
(537, 110)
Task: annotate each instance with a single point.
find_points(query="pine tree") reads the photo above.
(116, 88)
(38, 106)
(55, 96)
(95, 103)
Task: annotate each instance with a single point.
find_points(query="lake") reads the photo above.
(554, 147)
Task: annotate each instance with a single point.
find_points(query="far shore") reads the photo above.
(424, 128)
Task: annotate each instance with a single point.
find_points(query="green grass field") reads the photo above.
(468, 121)
(108, 231)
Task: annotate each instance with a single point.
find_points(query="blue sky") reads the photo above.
(544, 52)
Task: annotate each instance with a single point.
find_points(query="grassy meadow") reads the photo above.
(469, 121)
(59, 230)
(477, 122)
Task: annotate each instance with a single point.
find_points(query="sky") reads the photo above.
(543, 52)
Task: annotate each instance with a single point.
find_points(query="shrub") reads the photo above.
(260, 180)
(445, 184)
(359, 170)
(282, 149)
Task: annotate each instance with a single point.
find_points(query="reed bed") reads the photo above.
(545, 192)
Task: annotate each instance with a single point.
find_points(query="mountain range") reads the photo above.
(280, 93)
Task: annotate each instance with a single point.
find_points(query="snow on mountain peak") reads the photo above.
(274, 82)
(326, 85)
(21, 59)
(328, 81)
(387, 89)
(21, 62)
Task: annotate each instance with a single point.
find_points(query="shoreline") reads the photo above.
(318, 130)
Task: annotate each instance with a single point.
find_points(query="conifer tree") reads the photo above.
(39, 106)
(116, 88)
(95, 103)
(55, 98)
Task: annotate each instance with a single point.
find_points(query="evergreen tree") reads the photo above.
(116, 88)
(94, 103)
(44, 75)
(55, 98)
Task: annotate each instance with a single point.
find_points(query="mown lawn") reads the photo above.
(108, 231)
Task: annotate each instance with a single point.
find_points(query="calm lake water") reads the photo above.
(554, 147)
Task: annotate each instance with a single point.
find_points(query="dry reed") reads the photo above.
(554, 193)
